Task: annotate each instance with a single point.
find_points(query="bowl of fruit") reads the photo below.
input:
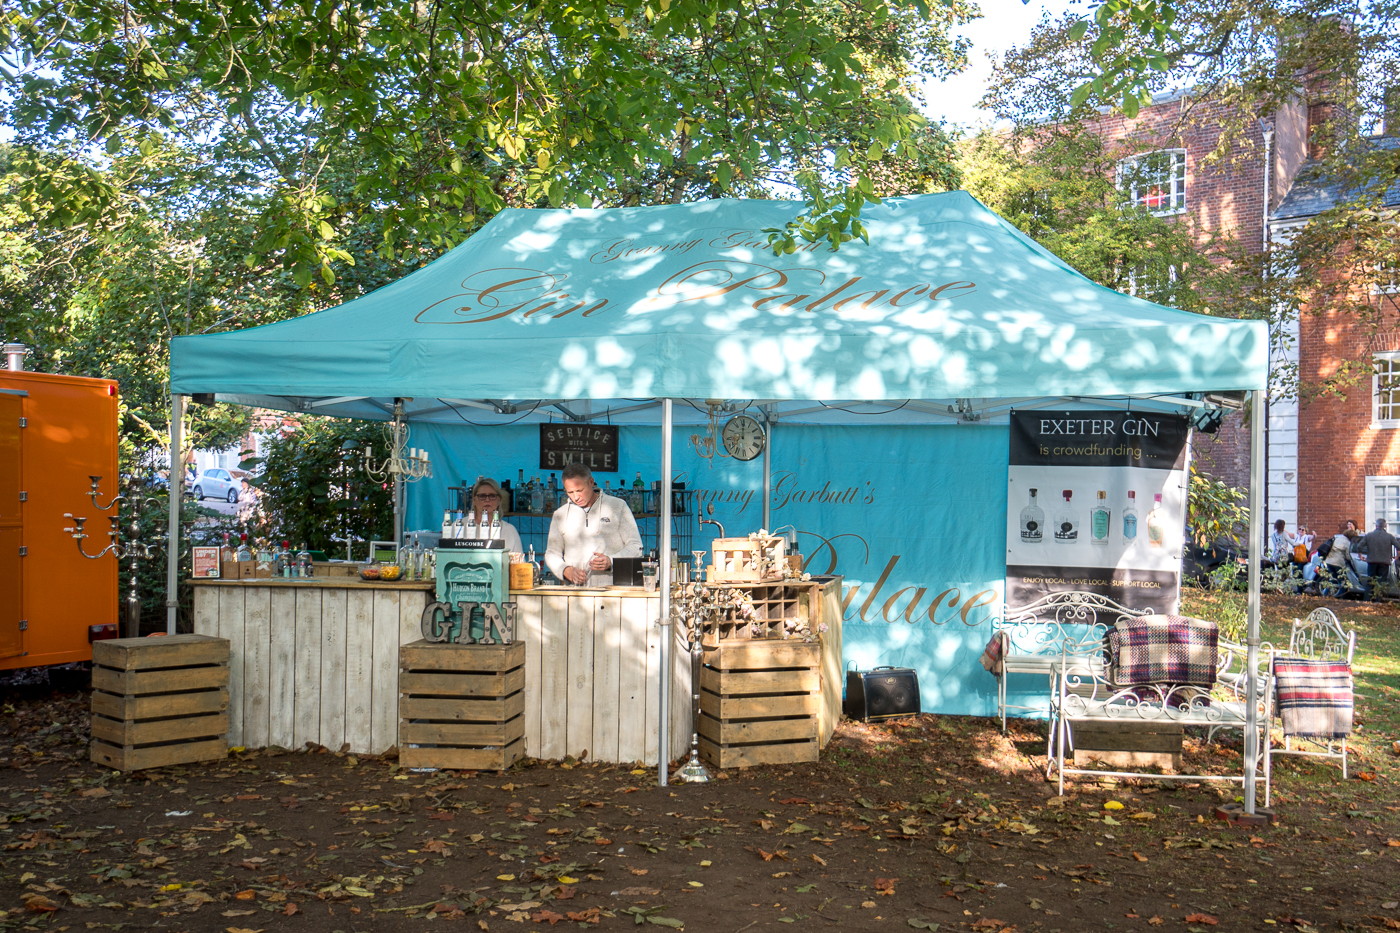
(390, 572)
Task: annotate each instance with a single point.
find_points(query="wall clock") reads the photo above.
(743, 437)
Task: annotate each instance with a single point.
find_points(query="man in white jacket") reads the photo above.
(588, 531)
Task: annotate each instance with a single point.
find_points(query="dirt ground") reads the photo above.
(933, 823)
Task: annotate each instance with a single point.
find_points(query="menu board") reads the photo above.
(206, 561)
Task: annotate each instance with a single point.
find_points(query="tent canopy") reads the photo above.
(686, 301)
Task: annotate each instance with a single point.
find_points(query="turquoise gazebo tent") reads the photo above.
(686, 301)
(948, 315)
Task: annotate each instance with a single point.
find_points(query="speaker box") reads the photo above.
(882, 693)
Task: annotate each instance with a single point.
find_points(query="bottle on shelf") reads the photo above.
(304, 560)
(1100, 518)
(552, 497)
(285, 557)
(469, 529)
(607, 487)
(1130, 518)
(1066, 520)
(243, 554)
(226, 553)
(1156, 532)
(416, 566)
(1032, 521)
(447, 523)
(496, 525)
(519, 502)
(638, 495)
(536, 496)
(265, 557)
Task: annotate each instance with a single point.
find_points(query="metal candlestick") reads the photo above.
(132, 549)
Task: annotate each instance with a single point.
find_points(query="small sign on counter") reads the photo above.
(593, 445)
(206, 562)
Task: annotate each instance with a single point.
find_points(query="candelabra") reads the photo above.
(403, 465)
(131, 548)
(707, 445)
(694, 607)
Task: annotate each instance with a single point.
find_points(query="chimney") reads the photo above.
(14, 356)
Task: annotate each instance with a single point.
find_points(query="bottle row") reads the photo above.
(270, 561)
(466, 525)
(534, 497)
(1067, 522)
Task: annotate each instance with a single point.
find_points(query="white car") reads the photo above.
(217, 484)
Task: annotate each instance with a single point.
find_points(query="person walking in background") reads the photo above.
(1281, 544)
(1379, 549)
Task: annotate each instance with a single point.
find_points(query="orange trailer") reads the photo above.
(55, 432)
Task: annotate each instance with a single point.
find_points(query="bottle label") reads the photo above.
(1100, 526)
(1030, 532)
(1130, 526)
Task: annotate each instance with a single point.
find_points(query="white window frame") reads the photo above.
(1174, 182)
(1393, 358)
(1371, 512)
(1140, 290)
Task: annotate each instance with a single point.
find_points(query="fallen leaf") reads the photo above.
(565, 879)
(247, 895)
(884, 885)
(867, 904)
(988, 923)
(919, 923)
(1139, 856)
(792, 800)
(547, 916)
(237, 913)
(1202, 918)
(639, 892)
(819, 860)
(39, 904)
(95, 792)
(505, 877)
(1143, 815)
(290, 909)
(639, 871)
(1156, 921)
(1112, 805)
(240, 929)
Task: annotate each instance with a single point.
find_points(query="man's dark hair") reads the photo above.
(577, 471)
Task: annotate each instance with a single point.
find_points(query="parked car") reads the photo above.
(216, 483)
(1199, 563)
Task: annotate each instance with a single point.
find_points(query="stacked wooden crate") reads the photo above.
(159, 701)
(461, 706)
(759, 703)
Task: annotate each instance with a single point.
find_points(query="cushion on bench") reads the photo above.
(1163, 650)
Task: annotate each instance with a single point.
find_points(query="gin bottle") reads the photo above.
(244, 554)
(1032, 522)
(447, 523)
(1130, 518)
(304, 560)
(469, 530)
(1156, 533)
(1066, 521)
(536, 496)
(638, 495)
(496, 526)
(1099, 520)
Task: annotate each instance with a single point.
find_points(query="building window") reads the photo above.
(1151, 283)
(1383, 501)
(1155, 181)
(1385, 391)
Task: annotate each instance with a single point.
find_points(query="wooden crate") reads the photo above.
(774, 604)
(159, 701)
(759, 703)
(461, 706)
(732, 561)
(1128, 745)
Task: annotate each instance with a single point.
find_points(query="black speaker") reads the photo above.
(883, 693)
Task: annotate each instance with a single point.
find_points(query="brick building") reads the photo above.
(1328, 459)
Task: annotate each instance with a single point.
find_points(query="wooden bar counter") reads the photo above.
(318, 660)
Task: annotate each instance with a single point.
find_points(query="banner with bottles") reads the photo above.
(1096, 503)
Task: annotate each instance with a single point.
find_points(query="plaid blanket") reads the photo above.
(1163, 650)
(1314, 697)
(994, 653)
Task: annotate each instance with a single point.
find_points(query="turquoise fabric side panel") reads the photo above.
(914, 518)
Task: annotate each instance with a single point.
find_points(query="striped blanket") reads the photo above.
(1314, 697)
(1163, 650)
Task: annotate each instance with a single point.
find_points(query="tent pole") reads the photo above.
(663, 753)
(768, 472)
(1256, 512)
(176, 491)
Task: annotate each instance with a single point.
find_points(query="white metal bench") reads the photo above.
(1060, 626)
(1319, 637)
(1082, 690)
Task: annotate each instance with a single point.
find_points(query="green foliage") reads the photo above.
(313, 490)
(1060, 185)
(1216, 511)
(455, 110)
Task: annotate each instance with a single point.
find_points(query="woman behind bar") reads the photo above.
(487, 498)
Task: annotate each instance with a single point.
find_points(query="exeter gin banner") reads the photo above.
(1096, 503)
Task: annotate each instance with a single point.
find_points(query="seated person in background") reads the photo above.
(588, 531)
(1333, 572)
(487, 498)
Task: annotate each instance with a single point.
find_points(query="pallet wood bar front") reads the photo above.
(760, 703)
(1127, 744)
(159, 701)
(461, 706)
